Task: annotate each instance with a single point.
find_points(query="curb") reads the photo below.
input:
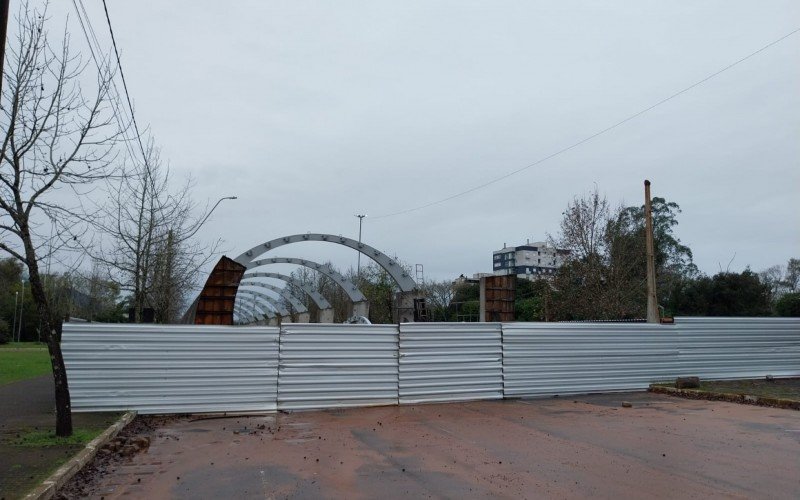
(789, 404)
(49, 486)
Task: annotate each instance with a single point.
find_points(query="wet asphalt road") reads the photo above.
(574, 447)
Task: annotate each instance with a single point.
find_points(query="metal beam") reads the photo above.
(348, 286)
(317, 297)
(256, 312)
(276, 306)
(395, 270)
(298, 306)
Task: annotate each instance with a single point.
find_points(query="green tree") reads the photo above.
(725, 294)
(789, 305)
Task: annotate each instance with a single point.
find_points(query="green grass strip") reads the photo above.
(23, 364)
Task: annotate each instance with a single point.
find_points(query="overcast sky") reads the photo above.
(312, 112)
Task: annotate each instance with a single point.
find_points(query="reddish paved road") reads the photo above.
(556, 448)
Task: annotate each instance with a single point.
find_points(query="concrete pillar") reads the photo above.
(326, 315)
(286, 319)
(304, 317)
(404, 307)
(273, 322)
(361, 309)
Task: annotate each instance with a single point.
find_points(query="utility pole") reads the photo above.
(652, 301)
(3, 31)
(14, 328)
(360, 220)
(21, 305)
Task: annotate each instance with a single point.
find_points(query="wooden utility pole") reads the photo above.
(652, 300)
(3, 31)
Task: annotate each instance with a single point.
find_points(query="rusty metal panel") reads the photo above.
(171, 368)
(215, 304)
(500, 294)
(450, 362)
(337, 366)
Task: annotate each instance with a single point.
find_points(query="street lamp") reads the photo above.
(209, 214)
(21, 305)
(14, 328)
(360, 221)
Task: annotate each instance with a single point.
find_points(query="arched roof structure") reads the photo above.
(395, 270)
(348, 286)
(271, 301)
(296, 303)
(317, 297)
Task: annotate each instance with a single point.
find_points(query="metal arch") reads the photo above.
(269, 300)
(395, 270)
(241, 315)
(255, 311)
(298, 306)
(317, 297)
(252, 311)
(348, 286)
(259, 301)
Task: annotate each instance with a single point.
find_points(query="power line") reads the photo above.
(118, 108)
(590, 137)
(124, 83)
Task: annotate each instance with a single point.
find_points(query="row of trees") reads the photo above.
(75, 190)
(605, 275)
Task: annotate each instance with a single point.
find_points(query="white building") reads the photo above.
(530, 261)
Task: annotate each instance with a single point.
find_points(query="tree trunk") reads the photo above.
(63, 402)
(52, 332)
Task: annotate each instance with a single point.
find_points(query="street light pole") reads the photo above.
(360, 221)
(14, 328)
(21, 305)
(209, 214)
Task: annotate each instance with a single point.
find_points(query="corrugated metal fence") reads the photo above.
(182, 369)
(335, 366)
(450, 362)
(171, 369)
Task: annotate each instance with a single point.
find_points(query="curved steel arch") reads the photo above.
(395, 270)
(317, 297)
(298, 306)
(264, 302)
(269, 300)
(241, 315)
(255, 312)
(255, 307)
(348, 286)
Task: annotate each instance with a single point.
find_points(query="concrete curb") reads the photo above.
(49, 486)
(747, 399)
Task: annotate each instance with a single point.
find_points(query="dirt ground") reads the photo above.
(579, 447)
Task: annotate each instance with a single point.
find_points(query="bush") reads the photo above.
(788, 305)
(5, 332)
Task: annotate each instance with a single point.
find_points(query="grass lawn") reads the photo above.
(18, 362)
(781, 388)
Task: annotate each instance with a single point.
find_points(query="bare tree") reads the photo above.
(583, 226)
(56, 143)
(149, 245)
(439, 295)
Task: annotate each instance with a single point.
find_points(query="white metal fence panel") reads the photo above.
(573, 358)
(337, 366)
(729, 348)
(450, 362)
(171, 368)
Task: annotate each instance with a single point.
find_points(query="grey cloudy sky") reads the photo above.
(311, 112)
